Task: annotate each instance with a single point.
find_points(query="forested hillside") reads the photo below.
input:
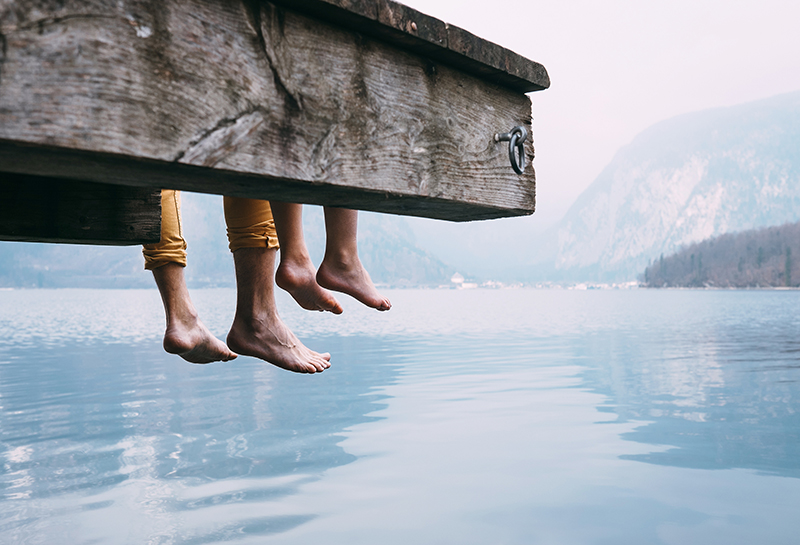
(768, 257)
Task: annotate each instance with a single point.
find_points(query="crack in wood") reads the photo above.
(253, 10)
(223, 139)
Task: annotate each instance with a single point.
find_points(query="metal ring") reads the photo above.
(516, 146)
(516, 143)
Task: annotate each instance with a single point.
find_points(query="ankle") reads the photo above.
(252, 321)
(340, 260)
(295, 260)
(186, 318)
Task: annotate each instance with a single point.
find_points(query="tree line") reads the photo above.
(768, 257)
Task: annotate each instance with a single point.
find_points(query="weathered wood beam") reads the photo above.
(38, 209)
(430, 37)
(251, 99)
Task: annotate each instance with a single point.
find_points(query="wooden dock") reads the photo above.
(364, 104)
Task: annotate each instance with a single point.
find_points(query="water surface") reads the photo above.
(475, 416)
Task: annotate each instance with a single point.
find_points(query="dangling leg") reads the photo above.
(341, 269)
(185, 335)
(257, 329)
(296, 273)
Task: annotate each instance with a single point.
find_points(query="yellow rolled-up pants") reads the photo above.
(249, 223)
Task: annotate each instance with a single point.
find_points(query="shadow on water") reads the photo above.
(95, 426)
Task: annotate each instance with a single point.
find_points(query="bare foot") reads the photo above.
(186, 335)
(300, 281)
(350, 277)
(191, 340)
(270, 340)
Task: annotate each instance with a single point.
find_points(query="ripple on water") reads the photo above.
(484, 415)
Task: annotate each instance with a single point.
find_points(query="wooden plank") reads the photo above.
(431, 37)
(39, 209)
(253, 100)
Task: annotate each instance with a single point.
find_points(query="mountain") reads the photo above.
(768, 257)
(682, 181)
(386, 244)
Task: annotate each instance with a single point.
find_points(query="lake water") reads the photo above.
(459, 417)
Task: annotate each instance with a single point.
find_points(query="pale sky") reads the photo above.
(618, 66)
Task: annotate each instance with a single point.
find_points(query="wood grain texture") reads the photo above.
(425, 35)
(38, 209)
(250, 99)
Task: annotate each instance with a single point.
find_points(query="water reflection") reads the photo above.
(459, 417)
(147, 438)
(720, 394)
